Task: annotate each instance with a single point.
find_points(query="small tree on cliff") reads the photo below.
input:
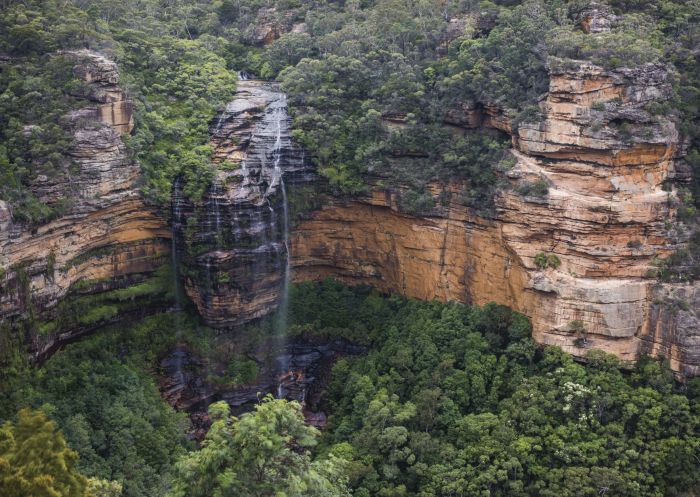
(262, 453)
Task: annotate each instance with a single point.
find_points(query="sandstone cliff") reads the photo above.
(576, 259)
(604, 157)
(109, 237)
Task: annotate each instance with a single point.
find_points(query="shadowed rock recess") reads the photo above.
(604, 159)
(600, 225)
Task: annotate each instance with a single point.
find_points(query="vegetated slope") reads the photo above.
(348, 65)
(453, 400)
(449, 399)
(370, 82)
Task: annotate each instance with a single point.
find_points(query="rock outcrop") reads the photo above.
(268, 26)
(575, 260)
(673, 329)
(234, 243)
(107, 238)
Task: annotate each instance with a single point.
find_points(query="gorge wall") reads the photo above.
(108, 239)
(606, 217)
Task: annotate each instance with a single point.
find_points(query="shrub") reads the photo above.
(544, 261)
(541, 260)
(553, 261)
(97, 314)
(538, 188)
(577, 326)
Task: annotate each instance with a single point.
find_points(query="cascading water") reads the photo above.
(214, 221)
(245, 274)
(175, 260)
(280, 114)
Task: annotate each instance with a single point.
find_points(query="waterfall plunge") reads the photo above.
(280, 114)
(254, 214)
(175, 261)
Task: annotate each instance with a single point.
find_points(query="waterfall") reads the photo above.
(214, 197)
(175, 257)
(175, 260)
(220, 121)
(214, 229)
(256, 218)
(280, 115)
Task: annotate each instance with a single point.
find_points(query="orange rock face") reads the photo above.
(108, 236)
(453, 258)
(604, 157)
(576, 260)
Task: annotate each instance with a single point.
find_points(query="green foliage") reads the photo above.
(35, 95)
(104, 488)
(447, 400)
(13, 369)
(241, 371)
(96, 314)
(262, 453)
(541, 260)
(538, 188)
(176, 80)
(633, 42)
(452, 400)
(181, 83)
(343, 98)
(109, 408)
(369, 83)
(553, 261)
(577, 326)
(544, 261)
(85, 308)
(35, 460)
(507, 67)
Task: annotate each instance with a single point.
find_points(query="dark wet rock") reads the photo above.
(233, 243)
(296, 371)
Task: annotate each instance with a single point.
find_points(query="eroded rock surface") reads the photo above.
(108, 237)
(605, 157)
(235, 251)
(186, 379)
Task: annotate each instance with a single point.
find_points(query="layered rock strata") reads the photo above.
(234, 243)
(108, 237)
(575, 260)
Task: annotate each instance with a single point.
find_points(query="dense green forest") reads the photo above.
(449, 400)
(353, 65)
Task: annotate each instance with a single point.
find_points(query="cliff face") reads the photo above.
(234, 243)
(575, 259)
(109, 236)
(601, 224)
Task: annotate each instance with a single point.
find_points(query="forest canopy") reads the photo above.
(351, 68)
(447, 400)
